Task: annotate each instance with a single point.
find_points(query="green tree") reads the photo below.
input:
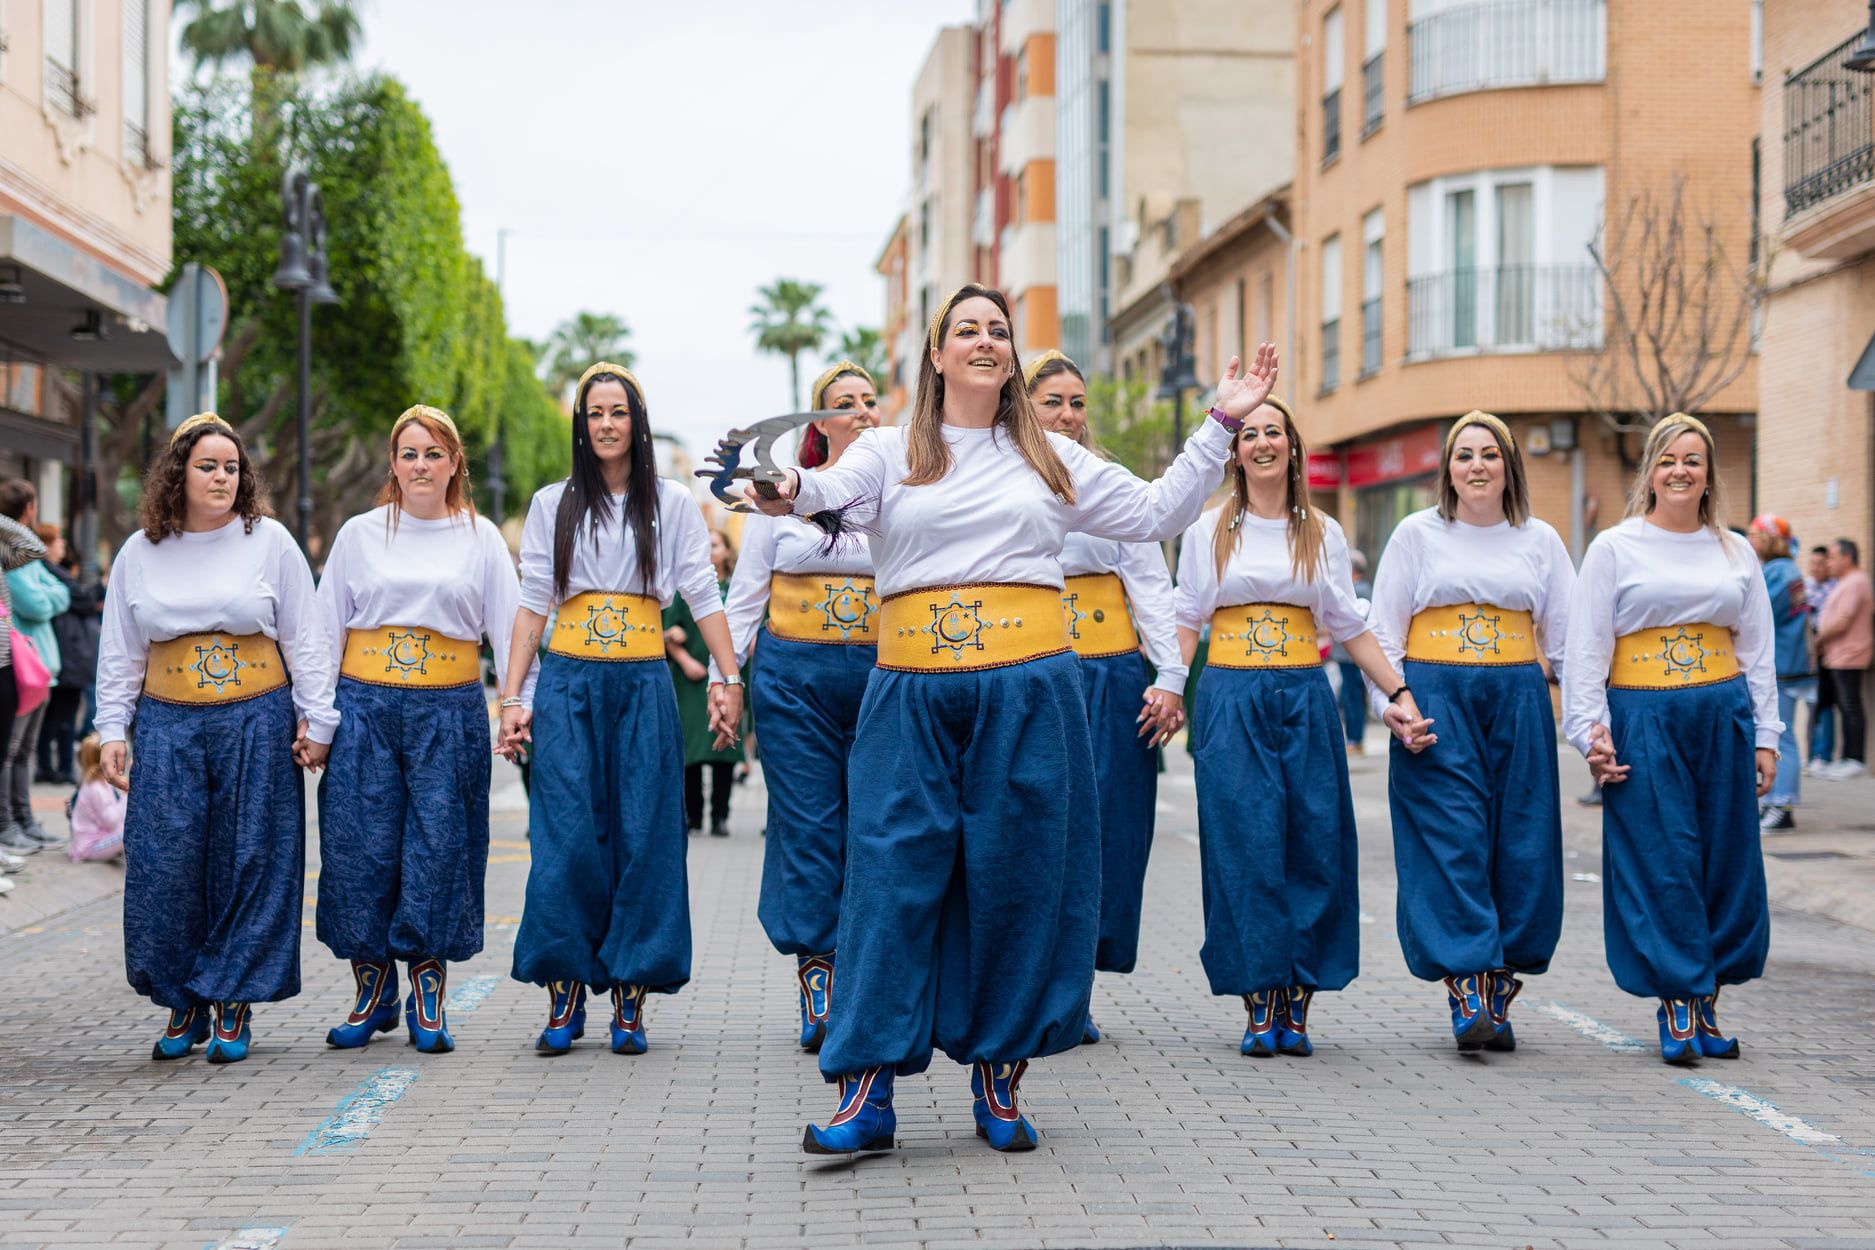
(789, 319)
(581, 341)
(279, 39)
(863, 346)
(1130, 428)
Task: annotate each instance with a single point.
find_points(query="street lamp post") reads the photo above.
(303, 271)
(1181, 368)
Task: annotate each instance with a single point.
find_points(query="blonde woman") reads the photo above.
(1670, 690)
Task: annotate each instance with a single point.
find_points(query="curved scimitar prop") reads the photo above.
(748, 455)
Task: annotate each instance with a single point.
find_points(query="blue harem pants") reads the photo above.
(607, 893)
(1126, 772)
(214, 852)
(1683, 897)
(1276, 835)
(403, 824)
(972, 872)
(1477, 828)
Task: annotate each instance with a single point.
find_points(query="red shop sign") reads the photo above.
(1324, 470)
(1411, 454)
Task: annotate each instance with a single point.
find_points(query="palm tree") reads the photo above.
(863, 347)
(279, 39)
(788, 320)
(580, 341)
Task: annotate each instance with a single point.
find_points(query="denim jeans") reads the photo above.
(1788, 786)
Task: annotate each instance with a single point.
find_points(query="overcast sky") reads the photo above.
(660, 161)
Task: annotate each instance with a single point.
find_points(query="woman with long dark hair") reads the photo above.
(211, 605)
(1118, 601)
(1670, 690)
(1276, 830)
(818, 649)
(1470, 594)
(603, 553)
(409, 590)
(970, 913)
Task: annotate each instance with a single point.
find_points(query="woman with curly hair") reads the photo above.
(212, 648)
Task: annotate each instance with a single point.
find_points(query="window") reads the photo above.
(61, 38)
(1243, 326)
(1757, 40)
(1266, 310)
(1331, 312)
(1022, 75)
(924, 225)
(1332, 57)
(137, 83)
(1373, 227)
(1516, 268)
(1483, 45)
(1373, 67)
(1104, 26)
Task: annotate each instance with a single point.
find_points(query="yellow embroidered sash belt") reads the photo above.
(823, 607)
(1263, 635)
(608, 625)
(1669, 657)
(1099, 624)
(956, 628)
(1471, 633)
(213, 668)
(410, 656)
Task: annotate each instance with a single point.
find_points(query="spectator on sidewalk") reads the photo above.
(18, 546)
(97, 811)
(76, 630)
(38, 597)
(1796, 679)
(1817, 583)
(1845, 638)
(1352, 695)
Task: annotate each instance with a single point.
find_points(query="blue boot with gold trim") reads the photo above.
(187, 1029)
(1712, 1043)
(1267, 1010)
(1292, 1027)
(429, 1031)
(815, 973)
(999, 1120)
(566, 1017)
(864, 1121)
(374, 1008)
(628, 1020)
(1471, 1018)
(1679, 1031)
(1501, 988)
(233, 1033)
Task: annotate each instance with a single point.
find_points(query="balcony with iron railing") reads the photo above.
(1370, 337)
(1507, 43)
(1829, 158)
(1510, 308)
(62, 90)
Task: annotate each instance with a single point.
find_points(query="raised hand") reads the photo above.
(1240, 392)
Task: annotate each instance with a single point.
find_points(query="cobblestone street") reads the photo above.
(1160, 1135)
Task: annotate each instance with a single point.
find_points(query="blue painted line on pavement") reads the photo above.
(470, 994)
(1767, 1113)
(358, 1113)
(249, 1239)
(1588, 1026)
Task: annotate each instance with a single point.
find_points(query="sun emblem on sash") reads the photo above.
(605, 624)
(1268, 635)
(1478, 633)
(217, 665)
(1075, 615)
(847, 607)
(957, 626)
(407, 652)
(1684, 653)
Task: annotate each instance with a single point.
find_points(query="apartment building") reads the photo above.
(1013, 229)
(898, 333)
(84, 217)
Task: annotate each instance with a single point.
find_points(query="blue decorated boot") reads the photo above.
(1712, 1043)
(1679, 1031)
(1292, 1027)
(628, 1020)
(374, 1009)
(1268, 1009)
(187, 1029)
(815, 973)
(1089, 1034)
(233, 1032)
(566, 1017)
(1500, 989)
(429, 1031)
(865, 1120)
(999, 1121)
(1471, 1018)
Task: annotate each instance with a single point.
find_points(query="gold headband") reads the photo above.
(1477, 417)
(437, 415)
(937, 322)
(1035, 366)
(831, 376)
(606, 366)
(1691, 423)
(196, 422)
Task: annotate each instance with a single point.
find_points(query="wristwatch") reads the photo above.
(731, 679)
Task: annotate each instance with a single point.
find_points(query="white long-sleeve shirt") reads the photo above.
(225, 580)
(1434, 563)
(452, 575)
(683, 554)
(1258, 572)
(1141, 569)
(772, 545)
(991, 519)
(1638, 576)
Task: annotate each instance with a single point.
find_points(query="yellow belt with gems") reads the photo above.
(1669, 657)
(823, 607)
(1094, 606)
(945, 629)
(213, 668)
(1471, 633)
(608, 625)
(1263, 635)
(410, 656)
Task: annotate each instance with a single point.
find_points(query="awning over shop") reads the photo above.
(67, 289)
(1862, 377)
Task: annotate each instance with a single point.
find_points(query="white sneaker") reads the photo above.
(9, 862)
(6, 885)
(1816, 767)
(1847, 770)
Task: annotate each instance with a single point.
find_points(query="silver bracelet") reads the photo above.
(513, 700)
